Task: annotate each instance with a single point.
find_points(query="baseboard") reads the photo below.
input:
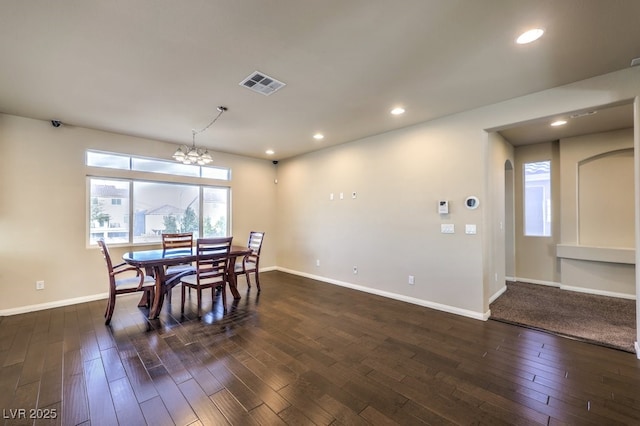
(73, 301)
(637, 349)
(578, 289)
(395, 296)
(497, 294)
(55, 304)
(598, 292)
(541, 282)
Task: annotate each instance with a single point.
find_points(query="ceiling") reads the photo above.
(578, 123)
(160, 68)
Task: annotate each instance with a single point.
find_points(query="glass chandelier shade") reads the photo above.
(193, 154)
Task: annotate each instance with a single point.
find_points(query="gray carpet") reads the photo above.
(607, 321)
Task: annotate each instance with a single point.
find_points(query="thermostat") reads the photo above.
(471, 202)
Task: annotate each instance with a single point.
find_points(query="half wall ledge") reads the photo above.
(597, 254)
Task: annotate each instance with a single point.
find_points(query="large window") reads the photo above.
(537, 199)
(131, 211)
(126, 211)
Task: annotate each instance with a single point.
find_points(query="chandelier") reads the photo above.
(195, 155)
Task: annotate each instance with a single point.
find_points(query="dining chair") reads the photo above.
(251, 262)
(212, 264)
(126, 284)
(177, 243)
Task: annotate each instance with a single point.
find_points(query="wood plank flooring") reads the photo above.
(303, 353)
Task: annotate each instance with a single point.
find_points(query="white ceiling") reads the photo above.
(159, 68)
(578, 123)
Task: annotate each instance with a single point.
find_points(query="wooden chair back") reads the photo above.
(177, 240)
(212, 268)
(212, 259)
(107, 258)
(251, 262)
(255, 244)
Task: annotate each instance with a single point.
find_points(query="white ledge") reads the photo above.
(597, 254)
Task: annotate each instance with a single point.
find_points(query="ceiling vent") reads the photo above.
(262, 83)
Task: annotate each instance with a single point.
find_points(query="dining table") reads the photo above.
(155, 261)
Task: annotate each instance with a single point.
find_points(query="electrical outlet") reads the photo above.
(412, 280)
(39, 285)
(317, 262)
(355, 270)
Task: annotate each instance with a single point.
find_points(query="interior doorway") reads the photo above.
(541, 254)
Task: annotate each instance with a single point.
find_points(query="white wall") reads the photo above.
(43, 205)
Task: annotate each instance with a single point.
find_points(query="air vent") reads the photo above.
(262, 83)
(582, 114)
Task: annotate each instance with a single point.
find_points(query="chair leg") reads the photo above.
(199, 297)
(111, 304)
(182, 299)
(223, 290)
(246, 274)
(257, 280)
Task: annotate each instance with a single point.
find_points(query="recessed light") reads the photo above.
(397, 111)
(559, 123)
(529, 36)
(318, 136)
(269, 152)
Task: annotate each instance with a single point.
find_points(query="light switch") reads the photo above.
(447, 228)
(470, 229)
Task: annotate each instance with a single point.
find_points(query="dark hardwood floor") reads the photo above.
(301, 353)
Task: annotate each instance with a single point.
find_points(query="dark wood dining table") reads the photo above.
(155, 261)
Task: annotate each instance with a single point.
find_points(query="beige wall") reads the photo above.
(510, 231)
(43, 208)
(587, 169)
(592, 166)
(598, 212)
(390, 231)
(501, 216)
(536, 259)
